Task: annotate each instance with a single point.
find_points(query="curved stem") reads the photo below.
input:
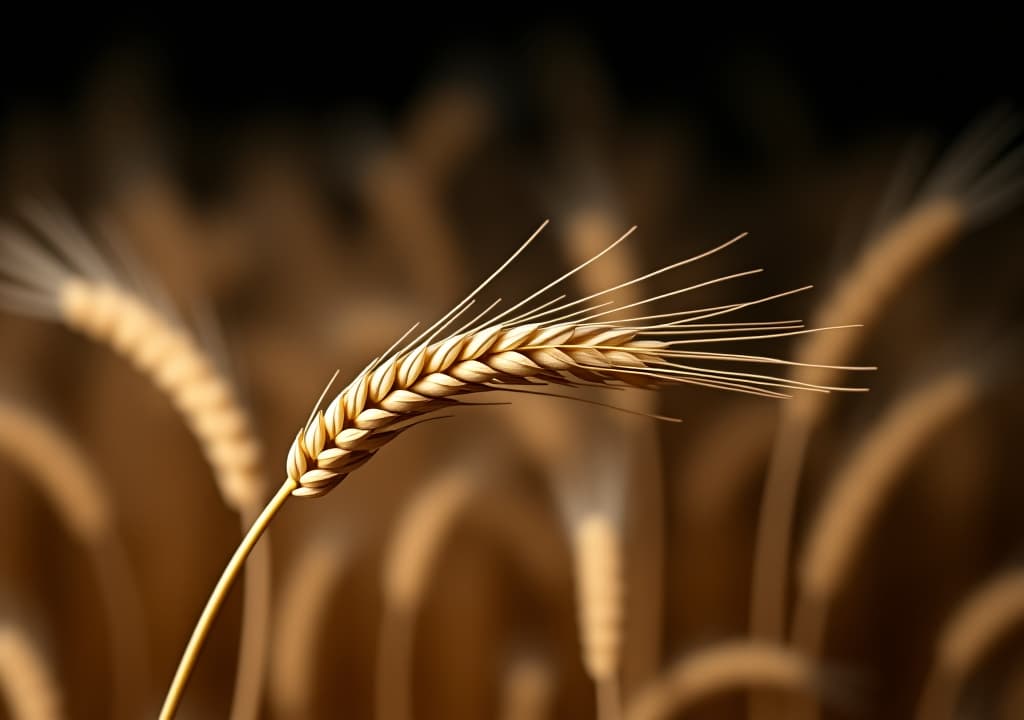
(609, 699)
(217, 597)
(254, 635)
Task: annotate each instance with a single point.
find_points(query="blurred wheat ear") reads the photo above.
(28, 681)
(69, 483)
(723, 668)
(858, 495)
(74, 284)
(972, 184)
(534, 342)
(985, 616)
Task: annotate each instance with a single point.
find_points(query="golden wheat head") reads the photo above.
(580, 343)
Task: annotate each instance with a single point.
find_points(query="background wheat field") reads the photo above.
(302, 195)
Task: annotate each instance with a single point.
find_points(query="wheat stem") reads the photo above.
(28, 685)
(217, 597)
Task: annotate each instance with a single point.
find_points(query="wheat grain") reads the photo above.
(961, 193)
(506, 351)
(69, 483)
(723, 668)
(985, 617)
(78, 287)
(27, 680)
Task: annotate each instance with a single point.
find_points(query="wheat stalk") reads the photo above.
(858, 492)
(527, 690)
(723, 668)
(302, 607)
(75, 285)
(411, 554)
(27, 679)
(969, 186)
(986, 616)
(512, 351)
(68, 482)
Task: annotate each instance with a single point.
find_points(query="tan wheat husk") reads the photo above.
(984, 617)
(69, 483)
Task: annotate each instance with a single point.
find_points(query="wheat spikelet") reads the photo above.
(723, 668)
(986, 616)
(968, 187)
(78, 287)
(600, 595)
(577, 347)
(27, 681)
(526, 692)
(860, 487)
(68, 482)
(302, 606)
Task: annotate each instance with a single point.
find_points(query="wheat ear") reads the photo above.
(985, 617)
(723, 668)
(68, 482)
(412, 552)
(302, 608)
(512, 351)
(75, 285)
(600, 594)
(967, 188)
(858, 494)
(859, 490)
(27, 680)
(642, 498)
(526, 692)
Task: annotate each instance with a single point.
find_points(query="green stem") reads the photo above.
(217, 597)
